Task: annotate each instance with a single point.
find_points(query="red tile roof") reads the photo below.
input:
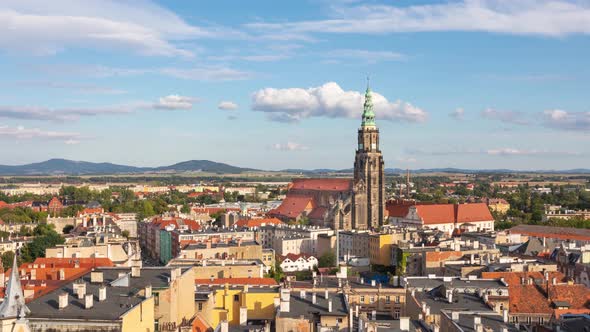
(238, 281)
(258, 222)
(70, 262)
(318, 213)
(322, 184)
(562, 233)
(454, 213)
(162, 223)
(293, 206)
(514, 278)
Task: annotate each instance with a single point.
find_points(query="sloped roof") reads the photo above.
(292, 206)
(454, 213)
(294, 257)
(258, 222)
(562, 233)
(86, 262)
(318, 213)
(329, 184)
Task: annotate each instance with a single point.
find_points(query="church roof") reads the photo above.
(292, 206)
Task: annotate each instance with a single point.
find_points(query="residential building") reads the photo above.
(295, 263)
(236, 249)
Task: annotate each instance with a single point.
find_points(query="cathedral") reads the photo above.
(344, 203)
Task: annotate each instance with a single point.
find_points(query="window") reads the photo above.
(236, 298)
(372, 299)
(339, 320)
(200, 306)
(156, 298)
(388, 299)
(362, 299)
(397, 299)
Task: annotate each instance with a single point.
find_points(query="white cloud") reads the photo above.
(171, 102)
(552, 18)
(227, 106)
(141, 26)
(329, 100)
(564, 120)
(364, 55)
(200, 73)
(511, 117)
(21, 132)
(458, 114)
(175, 102)
(528, 152)
(289, 146)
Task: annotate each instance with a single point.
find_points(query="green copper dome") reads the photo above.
(368, 114)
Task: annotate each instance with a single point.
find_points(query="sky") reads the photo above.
(274, 85)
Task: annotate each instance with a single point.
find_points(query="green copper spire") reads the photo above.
(368, 114)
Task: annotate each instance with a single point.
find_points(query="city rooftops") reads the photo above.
(304, 306)
(431, 281)
(123, 292)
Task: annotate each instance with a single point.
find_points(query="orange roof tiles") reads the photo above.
(322, 184)
(71, 262)
(293, 206)
(238, 281)
(562, 233)
(454, 213)
(514, 278)
(257, 222)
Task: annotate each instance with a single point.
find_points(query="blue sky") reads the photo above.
(475, 84)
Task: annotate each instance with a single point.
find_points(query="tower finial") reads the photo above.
(368, 114)
(368, 82)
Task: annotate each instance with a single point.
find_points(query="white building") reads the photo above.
(295, 263)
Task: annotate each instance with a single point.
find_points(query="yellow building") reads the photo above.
(236, 300)
(498, 205)
(380, 249)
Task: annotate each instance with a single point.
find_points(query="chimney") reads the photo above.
(505, 315)
(102, 293)
(477, 323)
(455, 316)
(374, 315)
(96, 277)
(326, 294)
(80, 289)
(246, 288)
(329, 305)
(63, 300)
(148, 291)
(554, 281)
(285, 300)
(88, 301)
(33, 274)
(404, 323)
(373, 283)
(313, 298)
(362, 280)
(135, 271)
(62, 274)
(302, 293)
(224, 326)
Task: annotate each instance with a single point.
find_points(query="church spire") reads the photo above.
(368, 114)
(14, 300)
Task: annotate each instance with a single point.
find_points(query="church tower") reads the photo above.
(368, 199)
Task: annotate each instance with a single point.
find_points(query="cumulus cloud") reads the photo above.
(560, 119)
(553, 18)
(458, 114)
(510, 117)
(21, 132)
(175, 102)
(227, 106)
(289, 146)
(329, 100)
(141, 26)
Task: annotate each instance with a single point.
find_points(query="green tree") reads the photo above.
(125, 234)
(7, 258)
(45, 237)
(68, 228)
(327, 260)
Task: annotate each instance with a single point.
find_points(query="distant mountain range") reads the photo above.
(70, 167)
